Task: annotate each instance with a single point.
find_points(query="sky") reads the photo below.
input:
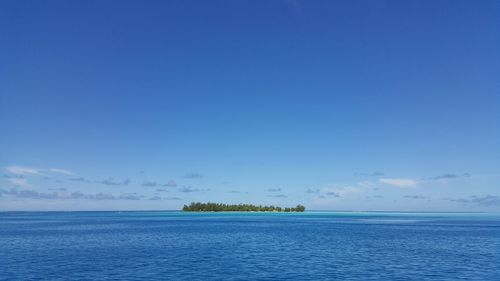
(336, 105)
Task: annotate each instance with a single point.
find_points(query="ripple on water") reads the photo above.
(309, 246)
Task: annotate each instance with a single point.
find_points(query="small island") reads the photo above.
(218, 207)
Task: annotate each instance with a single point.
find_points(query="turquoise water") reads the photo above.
(248, 246)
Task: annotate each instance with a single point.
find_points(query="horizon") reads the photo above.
(255, 212)
(388, 106)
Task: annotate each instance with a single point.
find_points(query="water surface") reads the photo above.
(248, 246)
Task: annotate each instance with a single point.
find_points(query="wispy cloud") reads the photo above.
(98, 196)
(450, 176)
(58, 189)
(161, 190)
(13, 176)
(278, 196)
(172, 198)
(157, 198)
(415, 197)
(341, 191)
(61, 171)
(130, 196)
(399, 182)
(28, 194)
(274, 190)
(193, 176)
(19, 182)
(332, 193)
(111, 181)
(310, 190)
(484, 201)
(237, 192)
(170, 183)
(188, 189)
(18, 170)
(61, 195)
(149, 184)
(79, 179)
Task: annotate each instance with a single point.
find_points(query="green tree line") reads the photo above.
(218, 207)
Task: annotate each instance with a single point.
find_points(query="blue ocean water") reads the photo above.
(248, 246)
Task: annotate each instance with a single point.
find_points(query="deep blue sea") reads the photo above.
(248, 246)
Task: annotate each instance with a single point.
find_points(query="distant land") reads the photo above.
(218, 207)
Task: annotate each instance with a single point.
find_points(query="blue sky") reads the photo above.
(338, 105)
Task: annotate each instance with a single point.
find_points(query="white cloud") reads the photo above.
(61, 171)
(19, 182)
(365, 184)
(17, 170)
(399, 182)
(340, 191)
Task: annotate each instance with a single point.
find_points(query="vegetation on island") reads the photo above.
(218, 207)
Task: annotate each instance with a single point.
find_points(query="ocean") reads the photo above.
(248, 246)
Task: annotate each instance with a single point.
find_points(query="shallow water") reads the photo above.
(248, 246)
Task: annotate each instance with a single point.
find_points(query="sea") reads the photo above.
(172, 245)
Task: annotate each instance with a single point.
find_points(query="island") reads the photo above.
(218, 207)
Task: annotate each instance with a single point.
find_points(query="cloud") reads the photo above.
(374, 197)
(172, 198)
(341, 191)
(274, 190)
(60, 171)
(488, 200)
(332, 193)
(149, 184)
(399, 182)
(111, 181)
(414, 197)
(170, 183)
(310, 190)
(20, 182)
(13, 176)
(32, 194)
(278, 196)
(366, 185)
(154, 198)
(449, 176)
(193, 176)
(18, 170)
(98, 196)
(59, 189)
(188, 189)
(79, 179)
(130, 196)
(237, 192)
(161, 190)
(483, 201)
(28, 194)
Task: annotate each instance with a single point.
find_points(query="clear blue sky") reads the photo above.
(338, 105)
